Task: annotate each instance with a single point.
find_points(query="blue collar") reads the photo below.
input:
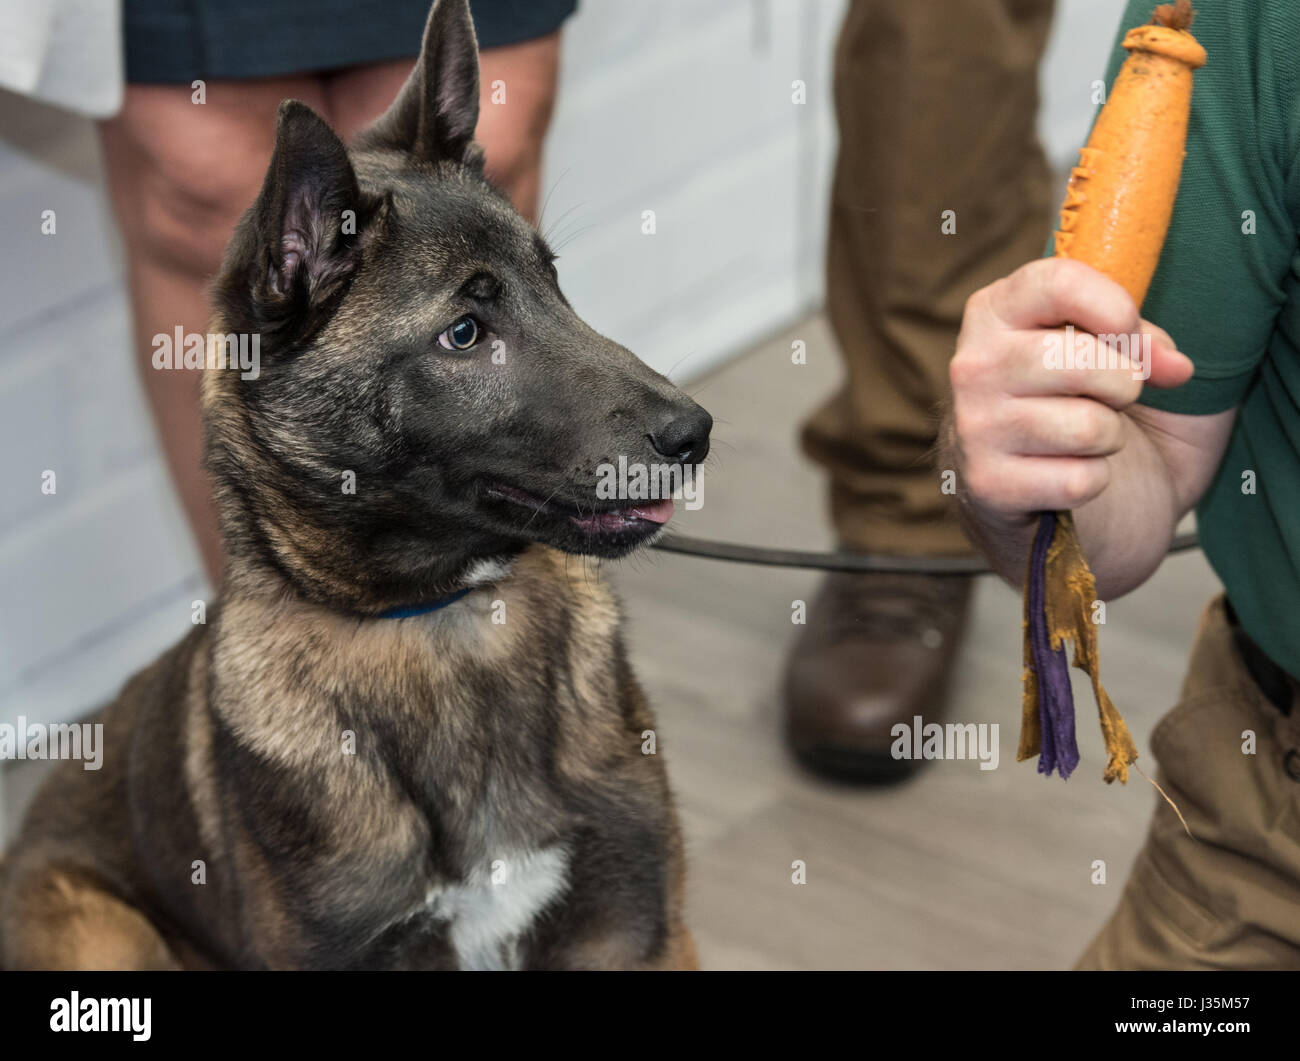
(424, 609)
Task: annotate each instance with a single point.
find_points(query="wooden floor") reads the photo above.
(958, 869)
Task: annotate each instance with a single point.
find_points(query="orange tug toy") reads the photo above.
(1115, 216)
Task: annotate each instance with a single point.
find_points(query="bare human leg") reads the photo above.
(516, 95)
(180, 173)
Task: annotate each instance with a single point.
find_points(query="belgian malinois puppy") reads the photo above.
(407, 735)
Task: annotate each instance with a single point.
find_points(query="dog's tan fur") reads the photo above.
(76, 895)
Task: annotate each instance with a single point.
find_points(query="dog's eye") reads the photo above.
(461, 335)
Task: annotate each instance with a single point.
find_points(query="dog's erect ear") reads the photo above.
(434, 115)
(307, 218)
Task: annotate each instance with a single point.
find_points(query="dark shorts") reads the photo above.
(177, 41)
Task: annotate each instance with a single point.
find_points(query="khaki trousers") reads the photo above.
(936, 105)
(1230, 898)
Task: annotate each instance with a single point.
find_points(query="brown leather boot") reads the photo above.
(877, 650)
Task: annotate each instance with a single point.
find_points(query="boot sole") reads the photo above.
(856, 766)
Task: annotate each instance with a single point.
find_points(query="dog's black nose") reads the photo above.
(684, 438)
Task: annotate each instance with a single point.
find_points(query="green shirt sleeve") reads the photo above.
(1221, 281)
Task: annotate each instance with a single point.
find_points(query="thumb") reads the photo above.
(1170, 367)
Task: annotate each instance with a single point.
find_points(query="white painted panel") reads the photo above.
(92, 593)
(702, 131)
(43, 271)
(1082, 34)
(72, 405)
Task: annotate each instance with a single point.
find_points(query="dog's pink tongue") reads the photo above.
(623, 518)
(657, 512)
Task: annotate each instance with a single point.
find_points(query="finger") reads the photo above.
(1060, 427)
(1066, 362)
(1055, 291)
(1170, 367)
(1035, 484)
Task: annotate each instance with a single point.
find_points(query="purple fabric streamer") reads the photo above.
(1058, 749)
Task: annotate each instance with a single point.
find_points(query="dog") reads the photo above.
(407, 735)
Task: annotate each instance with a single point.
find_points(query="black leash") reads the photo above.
(951, 566)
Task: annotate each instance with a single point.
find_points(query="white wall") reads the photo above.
(1082, 34)
(682, 107)
(685, 108)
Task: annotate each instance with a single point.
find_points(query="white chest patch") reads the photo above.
(488, 913)
(486, 572)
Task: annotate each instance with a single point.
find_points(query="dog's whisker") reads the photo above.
(560, 220)
(571, 237)
(541, 214)
(684, 357)
(536, 511)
